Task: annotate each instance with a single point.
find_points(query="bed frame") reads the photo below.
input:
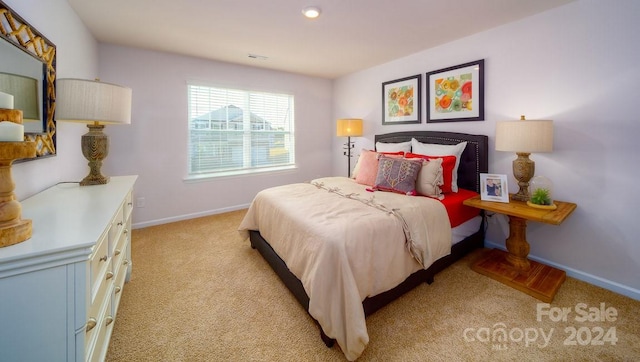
(474, 161)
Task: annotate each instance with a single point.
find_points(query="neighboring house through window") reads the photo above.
(236, 131)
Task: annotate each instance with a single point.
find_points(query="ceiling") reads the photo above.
(349, 35)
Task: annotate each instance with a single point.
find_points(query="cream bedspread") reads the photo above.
(337, 238)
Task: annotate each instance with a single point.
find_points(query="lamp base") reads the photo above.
(348, 147)
(94, 180)
(95, 148)
(523, 170)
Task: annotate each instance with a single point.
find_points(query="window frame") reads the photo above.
(250, 137)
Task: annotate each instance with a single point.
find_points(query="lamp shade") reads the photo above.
(89, 101)
(25, 94)
(524, 136)
(349, 127)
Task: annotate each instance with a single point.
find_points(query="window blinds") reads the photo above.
(236, 131)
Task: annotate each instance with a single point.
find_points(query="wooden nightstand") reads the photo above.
(513, 268)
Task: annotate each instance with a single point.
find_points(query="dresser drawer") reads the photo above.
(99, 264)
(121, 274)
(104, 288)
(128, 205)
(120, 250)
(117, 225)
(97, 337)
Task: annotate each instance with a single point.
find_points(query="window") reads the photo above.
(235, 131)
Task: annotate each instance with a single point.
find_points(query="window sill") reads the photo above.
(239, 173)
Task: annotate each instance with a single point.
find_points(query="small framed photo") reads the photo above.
(401, 100)
(456, 94)
(493, 187)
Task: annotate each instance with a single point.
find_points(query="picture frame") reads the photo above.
(402, 100)
(456, 94)
(494, 187)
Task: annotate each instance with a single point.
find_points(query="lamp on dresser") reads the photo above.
(97, 104)
(349, 127)
(524, 137)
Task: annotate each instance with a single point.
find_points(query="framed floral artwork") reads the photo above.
(401, 100)
(456, 94)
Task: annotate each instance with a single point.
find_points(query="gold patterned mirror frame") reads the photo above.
(18, 32)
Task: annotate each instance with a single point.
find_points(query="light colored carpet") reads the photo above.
(200, 293)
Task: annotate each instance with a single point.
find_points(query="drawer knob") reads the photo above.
(126, 231)
(118, 290)
(125, 262)
(109, 275)
(117, 252)
(109, 320)
(119, 223)
(91, 323)
(130, 203)
(104, 258)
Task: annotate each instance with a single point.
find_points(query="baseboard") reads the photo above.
(187, 216)
(580, 275)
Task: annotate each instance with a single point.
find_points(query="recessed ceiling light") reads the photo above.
(311, 12)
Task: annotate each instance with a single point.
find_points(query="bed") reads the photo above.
(473, 161)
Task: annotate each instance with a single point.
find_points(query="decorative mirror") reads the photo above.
(29, 62)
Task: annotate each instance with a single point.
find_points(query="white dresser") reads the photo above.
(59, 290)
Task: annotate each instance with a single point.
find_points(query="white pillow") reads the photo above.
(430, 178)
(431, 149)
(356, 169)
(393, 147)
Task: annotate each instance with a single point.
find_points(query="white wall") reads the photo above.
(154, 146)
(77, 56)
(577, 65)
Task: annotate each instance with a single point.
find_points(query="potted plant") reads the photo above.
(541, 193)
(541, 196)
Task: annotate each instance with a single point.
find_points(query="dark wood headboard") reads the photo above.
(474, 160)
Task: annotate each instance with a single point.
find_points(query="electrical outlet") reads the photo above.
(141, 202)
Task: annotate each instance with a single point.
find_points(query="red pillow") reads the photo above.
(448, 166)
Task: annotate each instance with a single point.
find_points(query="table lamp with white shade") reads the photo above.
(524, 137)
(95, 103)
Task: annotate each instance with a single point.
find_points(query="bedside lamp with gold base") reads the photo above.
(95, 103)
(524, 137)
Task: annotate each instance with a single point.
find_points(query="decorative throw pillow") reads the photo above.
(366, 168)
(397, 175)
(441, 150)
(448, 165)
(393, 147)
(430, 178)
